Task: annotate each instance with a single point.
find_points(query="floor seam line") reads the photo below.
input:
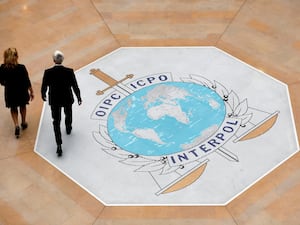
(99, 13)
(229, 24)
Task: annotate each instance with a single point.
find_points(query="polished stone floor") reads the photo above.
(261, 34)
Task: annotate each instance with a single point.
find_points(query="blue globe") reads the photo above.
(165, 118)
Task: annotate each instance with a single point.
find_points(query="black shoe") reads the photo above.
(24, 125)
(17, 132)
(59, 150)
(68, 130)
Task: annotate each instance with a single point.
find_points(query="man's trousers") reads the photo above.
(56, 116)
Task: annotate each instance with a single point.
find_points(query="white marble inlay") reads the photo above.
(230, 164)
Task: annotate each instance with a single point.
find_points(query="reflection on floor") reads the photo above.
(266, 36)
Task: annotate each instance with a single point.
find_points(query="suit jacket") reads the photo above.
(60, 81)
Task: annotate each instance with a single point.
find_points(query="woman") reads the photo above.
(18, 91)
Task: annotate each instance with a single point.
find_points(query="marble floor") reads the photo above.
(264, 35)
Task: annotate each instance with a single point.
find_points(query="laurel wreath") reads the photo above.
(234, 108)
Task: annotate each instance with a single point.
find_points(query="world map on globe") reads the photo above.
(165, 118)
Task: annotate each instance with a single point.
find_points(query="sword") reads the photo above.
(111, 81)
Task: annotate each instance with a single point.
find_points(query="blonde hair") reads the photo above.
(10, 57)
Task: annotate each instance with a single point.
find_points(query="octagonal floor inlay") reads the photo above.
(172, 126)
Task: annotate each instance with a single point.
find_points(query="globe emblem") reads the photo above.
(165, 118)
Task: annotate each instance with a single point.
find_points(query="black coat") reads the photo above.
(60, 81)
(16, 82)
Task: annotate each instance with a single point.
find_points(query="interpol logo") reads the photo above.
(167, 126)
(186, 126)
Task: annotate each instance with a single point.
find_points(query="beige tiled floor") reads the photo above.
(264, 34)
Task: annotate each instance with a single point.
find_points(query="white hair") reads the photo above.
(58, 57)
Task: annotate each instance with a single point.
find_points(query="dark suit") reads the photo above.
(59, 81)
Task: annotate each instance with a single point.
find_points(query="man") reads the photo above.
(60, 81)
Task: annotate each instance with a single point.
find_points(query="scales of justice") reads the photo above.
(257, 128)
